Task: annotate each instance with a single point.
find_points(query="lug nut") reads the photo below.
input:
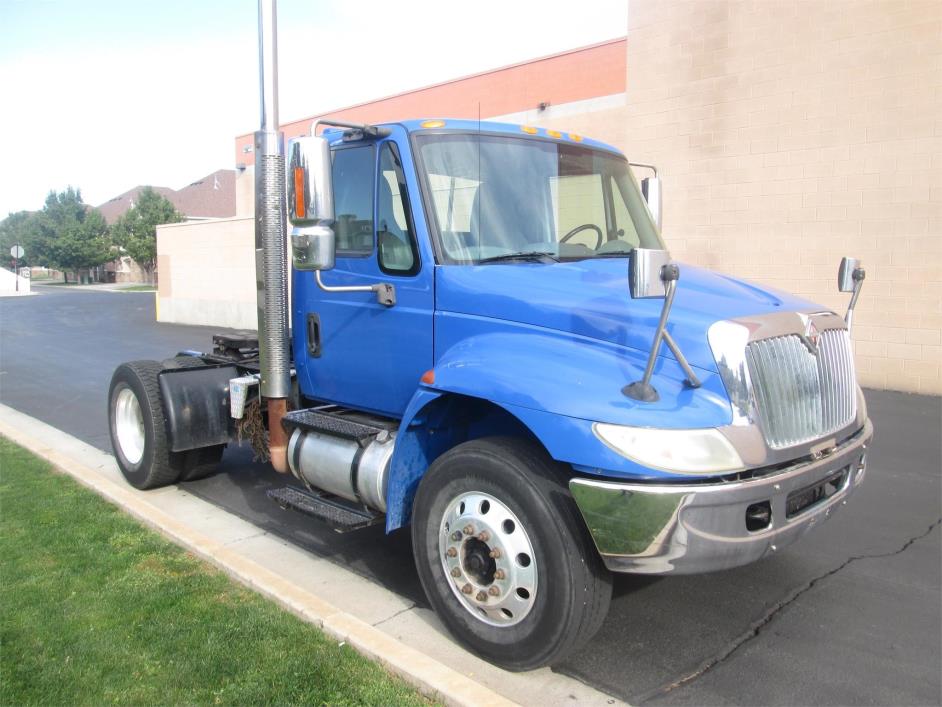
(481, 596)
(466, 589)
(493, 591)
(484, 536)
(499, 574)
(469, 530)
(495, 553)
(455, 571)
(456, 536)
(452, 552)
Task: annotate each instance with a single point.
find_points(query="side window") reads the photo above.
(352, 175)
(397, 250)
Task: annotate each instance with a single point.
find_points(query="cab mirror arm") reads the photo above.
(652, 275)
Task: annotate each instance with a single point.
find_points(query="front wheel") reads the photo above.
(503, 555)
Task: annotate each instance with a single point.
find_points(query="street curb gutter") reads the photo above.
(431, 677)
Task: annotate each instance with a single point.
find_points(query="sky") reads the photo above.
(104, 95)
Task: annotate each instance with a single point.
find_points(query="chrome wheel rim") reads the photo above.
(129, 425)
(488, 559)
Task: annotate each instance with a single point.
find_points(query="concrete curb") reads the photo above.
(384, 626)
(432, 678)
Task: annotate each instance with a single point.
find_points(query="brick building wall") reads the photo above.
(791, 133)
(580, 74)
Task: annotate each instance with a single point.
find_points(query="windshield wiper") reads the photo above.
(534, 256)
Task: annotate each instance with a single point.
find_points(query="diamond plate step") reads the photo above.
(331, 424)
(334, 511)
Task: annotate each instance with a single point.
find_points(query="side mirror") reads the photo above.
(311, 203)
(651, 190)
(645, 266)
(313, 248)
(846, 274)
(310, 188)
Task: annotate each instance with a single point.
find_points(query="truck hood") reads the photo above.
(590, 298)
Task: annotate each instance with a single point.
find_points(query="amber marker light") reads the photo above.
(428, 377)
(300, 208)
(433, 124)
(528, 129)
(554, 133)
(575, 138)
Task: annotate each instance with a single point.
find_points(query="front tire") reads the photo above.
(138, 429)
(503, 555)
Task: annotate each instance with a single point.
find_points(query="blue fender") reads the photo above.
(576, 383)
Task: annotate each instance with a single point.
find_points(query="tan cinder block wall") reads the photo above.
(207, 273)
(792, 133)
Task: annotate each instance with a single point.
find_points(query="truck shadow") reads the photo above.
(241, 486)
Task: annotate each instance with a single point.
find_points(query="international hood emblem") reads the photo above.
(811, 336)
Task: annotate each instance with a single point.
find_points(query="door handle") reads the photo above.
(313, 335)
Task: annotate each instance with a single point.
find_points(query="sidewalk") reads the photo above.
(408, 640)
(96, 287)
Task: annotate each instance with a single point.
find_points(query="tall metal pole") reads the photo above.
(271, 239)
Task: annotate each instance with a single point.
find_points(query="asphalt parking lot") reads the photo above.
(849, 615)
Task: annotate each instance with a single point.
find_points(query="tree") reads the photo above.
(21, 228)
(136, 230)
(71, 235)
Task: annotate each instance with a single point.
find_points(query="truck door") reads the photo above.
(354, 351)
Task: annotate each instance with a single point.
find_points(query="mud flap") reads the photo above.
(196, 405)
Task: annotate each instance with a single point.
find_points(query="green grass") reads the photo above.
(139, 288)
(95, 609)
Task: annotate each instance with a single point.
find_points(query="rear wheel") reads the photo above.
(183, 362)
(137, 427)
(503, 556)
(200, 463)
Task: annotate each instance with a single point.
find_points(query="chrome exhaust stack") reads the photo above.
(271, 275)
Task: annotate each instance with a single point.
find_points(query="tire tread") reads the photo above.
(165, 466)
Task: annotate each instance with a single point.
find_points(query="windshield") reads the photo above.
(506, 198)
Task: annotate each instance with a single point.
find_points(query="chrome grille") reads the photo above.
(801, 396)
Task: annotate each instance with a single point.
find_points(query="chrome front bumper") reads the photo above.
(692, 528)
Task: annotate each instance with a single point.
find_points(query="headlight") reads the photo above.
(703, 451)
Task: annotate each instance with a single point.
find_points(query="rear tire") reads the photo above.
(183, 362)
(138, 429)
(545, 592)
(200, 463)
(197, 463)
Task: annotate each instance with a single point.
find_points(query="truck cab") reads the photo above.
(491, 346)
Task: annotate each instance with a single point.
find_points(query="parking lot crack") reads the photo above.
(390, 618)
(757, 626)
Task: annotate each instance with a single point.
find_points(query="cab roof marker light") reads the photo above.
(528, 129)
(575, 138)
(432, 124)
(554, 133)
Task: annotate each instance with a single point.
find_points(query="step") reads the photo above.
(336, 512)
(331, 424)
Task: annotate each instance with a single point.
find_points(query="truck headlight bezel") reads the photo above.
(682, 451)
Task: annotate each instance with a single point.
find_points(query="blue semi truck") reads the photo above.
(490, 344)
